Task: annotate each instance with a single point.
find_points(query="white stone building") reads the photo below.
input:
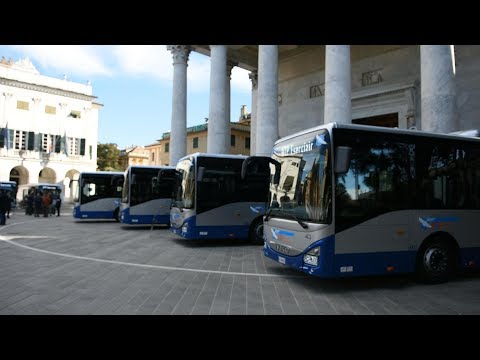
(295, 87)
(52, 127)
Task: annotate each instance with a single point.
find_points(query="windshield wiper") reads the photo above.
(302, 224)
(268, 215)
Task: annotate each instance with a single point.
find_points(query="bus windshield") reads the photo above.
(184, 193)
(304, 190)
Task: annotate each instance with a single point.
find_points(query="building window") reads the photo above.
(75, 114)
(74, 145)
(247, 143)
(153, 156)
(19, 140)
(50, 110)
(23, 105)
(232, 140)
(90, 151)
(167, 147)
(47, 143)
(195, 142)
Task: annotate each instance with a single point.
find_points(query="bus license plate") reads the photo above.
(281, 260)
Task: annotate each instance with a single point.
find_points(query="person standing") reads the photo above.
(46, 201)
(3, 206)
(58, 204)
(38, 204)
(9, 204)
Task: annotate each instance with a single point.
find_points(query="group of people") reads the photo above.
(44, 203)
(5, 206)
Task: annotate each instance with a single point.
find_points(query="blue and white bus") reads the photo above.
(25, 189)
(98, 195)
(365, 200)
(145, 199)
(213, 201)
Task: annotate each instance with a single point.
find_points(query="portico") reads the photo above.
(295, 87)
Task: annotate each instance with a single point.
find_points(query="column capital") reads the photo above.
(36, 100)
(254, 78)
(7, 95)
(180, 53)
(230, 65)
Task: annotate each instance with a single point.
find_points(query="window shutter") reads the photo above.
(30, 140)
(58, 142)
(82, 146)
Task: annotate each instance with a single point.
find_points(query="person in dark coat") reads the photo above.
(38, 204)
(4, 200)
(58, 204)
(9, 204)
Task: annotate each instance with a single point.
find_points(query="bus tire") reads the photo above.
(256, 231)
(116, 215)
(436, 259)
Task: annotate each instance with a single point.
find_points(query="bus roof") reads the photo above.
(40, 184)
(329, 126)
(223, 156)
(150, 167)
(102, 172)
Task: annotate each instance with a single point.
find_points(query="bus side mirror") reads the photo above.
(342, 159)
(248, 167)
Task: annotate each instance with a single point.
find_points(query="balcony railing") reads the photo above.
(40, 155)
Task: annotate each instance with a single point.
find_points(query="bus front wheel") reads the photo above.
(436, 261)
(256, 231)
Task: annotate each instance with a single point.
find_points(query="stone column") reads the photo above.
(267, 100)
(178, 131)
(438, 89)
(338, 98)
(411, 107)
(230, 65)
(253, 119)
(218, 138)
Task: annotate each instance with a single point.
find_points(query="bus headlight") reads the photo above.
(184, 228)
(311, 257)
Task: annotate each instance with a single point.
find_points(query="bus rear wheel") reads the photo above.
(436, 261)
(256, 232)
(116, 215)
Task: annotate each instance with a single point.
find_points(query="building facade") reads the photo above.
(197, 138)
(137, 155)
(295, 87)
(48, 127)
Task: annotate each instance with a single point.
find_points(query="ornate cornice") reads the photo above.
(45, 89)
(180, 53)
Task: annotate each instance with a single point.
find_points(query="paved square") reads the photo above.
(58, 265)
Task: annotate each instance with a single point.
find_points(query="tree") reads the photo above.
(107, 157)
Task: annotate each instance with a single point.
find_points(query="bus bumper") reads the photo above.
(324, 268)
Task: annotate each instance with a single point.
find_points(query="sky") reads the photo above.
(134, 83)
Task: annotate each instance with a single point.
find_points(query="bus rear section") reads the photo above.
(212, 201)
(374, 201)
(98, 195)
(146, 199)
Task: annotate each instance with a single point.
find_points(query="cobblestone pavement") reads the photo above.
(58, 265)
